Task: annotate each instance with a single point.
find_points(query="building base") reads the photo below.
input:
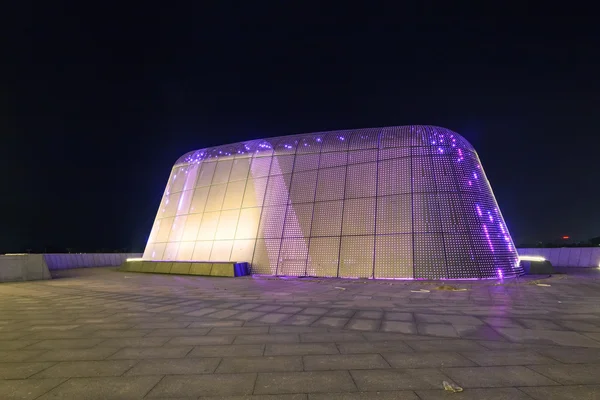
(201, 268)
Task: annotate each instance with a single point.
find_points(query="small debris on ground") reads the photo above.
(450, 387)
(542, 284)
(420, 291)
(340, 288)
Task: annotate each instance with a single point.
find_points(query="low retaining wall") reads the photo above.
(226, 268)
(23, 267)
(86, 260)
(588, 257)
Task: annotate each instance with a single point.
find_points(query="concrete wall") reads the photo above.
(567, 256)
(27, 267)
(86, 260)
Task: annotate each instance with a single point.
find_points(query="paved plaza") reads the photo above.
(103, 334)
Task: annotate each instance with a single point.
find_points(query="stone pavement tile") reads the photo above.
(272, 318)
(134, 342)
(106, 326)
(331, 337)
(224, 314)
(341, 312)
(246, 306)
(304, 382)
(580, 326)
(300, 349)
(373, 347)
(369, 314)
(314, 311)
(398, 316)
(20, 355)
(22, 370)
(204, 385)
(257, 397)
(445, 345)
(136, 353)
(72, 369)
(504, 322)
(537, 336)
(179, 332)
(571, 374)
(130, 387)
(267, 338)
(15, 344)
(201, 312)
(56, 327)
(120, 333)
(474, 394)
(398, 379)
(240, 330)
(388, 395)
(507, 357)
(267, 308)
(13, 335)
(94, 353)
(175, 366)
(595, 336)
(301, 320)
(343, 361)
(66, 344)
(290, 310)
(357, 324)
(163, 325)
(214, 324)
(539, 324)
(331, 322)
(26, 389)
(260, 364)
(58, 335)
(481, 377)
(447, 319)
(408, 328)
(427, 360)
(440, 330)
(480, 332)
(385, 336)
(588, 392)
(235, 350)
(297, 329)
(248, 315)
(199, 340)
(569, 355)
(497, 345)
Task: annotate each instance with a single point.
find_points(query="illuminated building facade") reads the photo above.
(408, 202)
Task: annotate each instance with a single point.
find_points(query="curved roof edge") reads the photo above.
(338, 140)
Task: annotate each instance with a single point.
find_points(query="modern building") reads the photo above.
(407, 202)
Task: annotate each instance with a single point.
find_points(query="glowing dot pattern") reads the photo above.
(408, 202)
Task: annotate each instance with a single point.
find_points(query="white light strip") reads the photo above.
(16, 254)
(531, 258)
(134, 259)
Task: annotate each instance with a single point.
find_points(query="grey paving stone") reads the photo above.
(369, 314)
(204, 311)
(175, 366)
(204, 385)
(498, 345)
(26, 389)
(289, 310)
(95, 353)
(480, 377)
(440, 330)
(224, 314)
(273, 318)
(260, 364)
(427, 360)
(162, 325)
(297, 329)
(571, 374)
(445, 345)
(389, 395)
(259, 397)
(248, 315)
(588, 392)
(343, 362)
(331, 337)
(58, 335)
(331, 322)
(241, 330)
(397, 379)
(373, 347)
(267, 308)
(22, 370)
(503, 322)
(475, 394)
(569, 355)
(65, 344)
(304, 382)
(508, 357)
(70, 369)
(20, 355)
(341, 312)
(179, 332)
(267, 338)
(409, 328)
(314, 311)
(300, 349)
(214, 324)
(120, 333)
(537, 336)
(363, 324)
(301, 320)
(235, 350)
(399, 316)
(580, 326)
(103, 388)
(199, 340)
(539, 324)
(136, 353)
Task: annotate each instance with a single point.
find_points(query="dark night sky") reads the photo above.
(97, 103)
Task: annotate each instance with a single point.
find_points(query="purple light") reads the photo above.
(475, 175)
(487, 235)
(440, 150)
(500, 273)
(478, 210)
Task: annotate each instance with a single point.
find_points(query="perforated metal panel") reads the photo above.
(396, 202)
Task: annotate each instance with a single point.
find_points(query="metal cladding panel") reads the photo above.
(407, 202)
